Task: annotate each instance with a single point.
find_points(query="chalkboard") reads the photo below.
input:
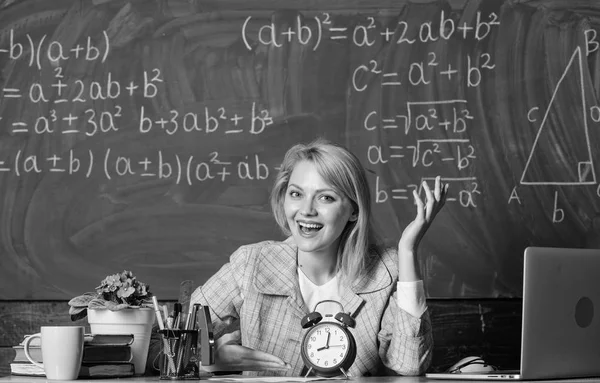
(145, 135)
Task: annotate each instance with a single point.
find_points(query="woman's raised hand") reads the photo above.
(426, 212)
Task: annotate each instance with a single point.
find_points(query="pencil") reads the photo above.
(167, 348)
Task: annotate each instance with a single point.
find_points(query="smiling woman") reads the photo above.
(324, 184)
(321, 200)
(316, 216)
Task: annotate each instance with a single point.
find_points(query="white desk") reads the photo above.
(382, 379)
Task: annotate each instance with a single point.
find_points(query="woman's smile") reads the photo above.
(308, 228)
(315, 211)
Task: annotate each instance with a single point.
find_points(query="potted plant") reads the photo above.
(120, 305)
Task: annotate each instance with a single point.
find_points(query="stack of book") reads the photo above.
(104, 355)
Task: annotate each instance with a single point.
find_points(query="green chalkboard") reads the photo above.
(144, 135)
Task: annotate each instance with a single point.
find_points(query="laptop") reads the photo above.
(560, 335)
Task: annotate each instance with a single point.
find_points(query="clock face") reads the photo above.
(326, 345)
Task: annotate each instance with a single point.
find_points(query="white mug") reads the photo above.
(62, 351)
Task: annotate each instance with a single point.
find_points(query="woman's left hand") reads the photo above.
(426, 212)
(230, 355)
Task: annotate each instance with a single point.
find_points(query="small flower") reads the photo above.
(115, 292)
(125, 292)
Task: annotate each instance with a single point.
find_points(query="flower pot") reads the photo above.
(137, 321)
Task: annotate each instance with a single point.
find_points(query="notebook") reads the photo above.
(560, 335)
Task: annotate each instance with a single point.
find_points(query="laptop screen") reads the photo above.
(561, 313)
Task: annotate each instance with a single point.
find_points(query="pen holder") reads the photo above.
(180, 355)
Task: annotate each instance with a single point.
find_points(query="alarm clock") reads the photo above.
(328, 347)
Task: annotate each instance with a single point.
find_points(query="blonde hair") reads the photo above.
(344, 172)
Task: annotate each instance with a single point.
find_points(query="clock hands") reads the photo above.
(326, 343)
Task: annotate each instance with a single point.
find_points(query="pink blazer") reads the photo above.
(258, 291)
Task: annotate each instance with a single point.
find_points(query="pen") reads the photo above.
(191, 318)
(176, 315)
(185, 293)
(161, 324)
(166, 313)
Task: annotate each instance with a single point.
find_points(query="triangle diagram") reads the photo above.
(561, 152)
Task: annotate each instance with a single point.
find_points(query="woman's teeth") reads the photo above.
(309, 227)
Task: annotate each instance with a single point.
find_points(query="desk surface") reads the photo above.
(382, 379)
(240, 379)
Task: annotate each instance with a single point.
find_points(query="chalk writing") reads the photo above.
(312, 31)
(54, 52)
(139, 130)
(190, 169)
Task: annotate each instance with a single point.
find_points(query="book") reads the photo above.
(108, 348)
(106, 370)
(106, 354)
(94, 339)
(91, 354)
(26, 369)
(114, 370)
(34, 351)
(109, 339)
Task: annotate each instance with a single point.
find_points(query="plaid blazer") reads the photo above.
(258, 291)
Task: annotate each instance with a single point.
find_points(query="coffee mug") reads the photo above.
(62, 351)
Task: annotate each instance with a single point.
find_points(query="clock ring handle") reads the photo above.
(345, 319)
(311, 319)
(329, 300)
(341, 317)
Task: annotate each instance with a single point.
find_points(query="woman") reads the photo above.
(321, 200)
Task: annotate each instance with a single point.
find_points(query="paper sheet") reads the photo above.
(273, 379)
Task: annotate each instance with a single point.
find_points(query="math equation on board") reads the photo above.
(426, 117)
(441, 127)
(433, 118)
